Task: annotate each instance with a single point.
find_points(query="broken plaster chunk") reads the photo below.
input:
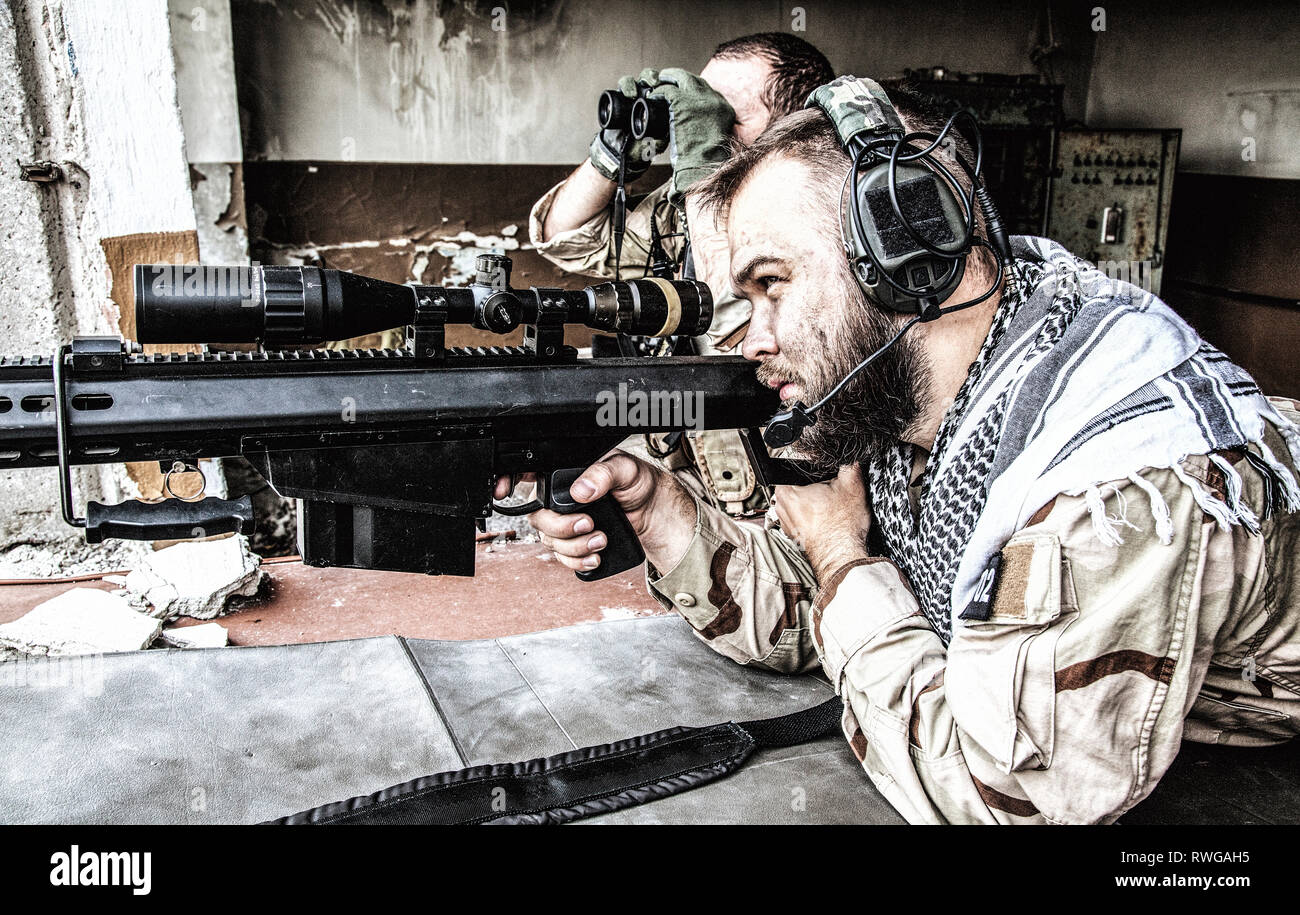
(205, 635)
(80, 621)
(197, 579)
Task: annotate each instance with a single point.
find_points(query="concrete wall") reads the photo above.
(205, 79)
(1228, 76)
(90, 86)
(465, 82)
(124, 80)
(457, 82)
(36, 298)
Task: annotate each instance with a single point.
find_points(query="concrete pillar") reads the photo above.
(91, 87)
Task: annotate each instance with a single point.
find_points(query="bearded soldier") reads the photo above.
(1064, 531)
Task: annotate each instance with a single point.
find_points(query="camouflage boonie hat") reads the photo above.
(855, 105)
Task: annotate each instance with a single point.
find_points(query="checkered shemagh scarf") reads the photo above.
(1071, 360)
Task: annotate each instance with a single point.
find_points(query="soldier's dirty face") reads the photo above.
(783, 261)
(741, 81)
(811, 324)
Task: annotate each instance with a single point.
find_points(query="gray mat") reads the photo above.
(227, 735)
(240, 735)
(592, 684)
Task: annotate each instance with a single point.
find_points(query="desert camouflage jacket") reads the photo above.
(1071, 700)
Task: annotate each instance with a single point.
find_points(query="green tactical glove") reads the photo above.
(701, 128)
(640, 153)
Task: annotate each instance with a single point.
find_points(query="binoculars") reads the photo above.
(642, 117)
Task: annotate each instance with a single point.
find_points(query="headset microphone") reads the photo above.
(908, 227)
(785, 427)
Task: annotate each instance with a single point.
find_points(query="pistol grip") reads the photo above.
(623, 550)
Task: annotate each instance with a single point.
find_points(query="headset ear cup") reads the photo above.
(907, 227)
(863, 263)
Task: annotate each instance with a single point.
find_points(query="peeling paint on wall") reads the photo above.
(516, 82)
(459, 252)
(218, 193)
(394, 80)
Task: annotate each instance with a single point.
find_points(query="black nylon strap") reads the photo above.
(580, 783)
(797, 727)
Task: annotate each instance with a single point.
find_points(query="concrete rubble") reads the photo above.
(77, 622)
(206, 635)
(70, 556)
(196, 579)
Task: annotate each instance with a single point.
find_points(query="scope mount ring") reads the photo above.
(183, 467)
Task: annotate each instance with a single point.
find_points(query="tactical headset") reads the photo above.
(908, 226)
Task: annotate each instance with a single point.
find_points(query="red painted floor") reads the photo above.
(517, 588)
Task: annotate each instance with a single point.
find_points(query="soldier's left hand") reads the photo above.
(828, 520)
(701, 127)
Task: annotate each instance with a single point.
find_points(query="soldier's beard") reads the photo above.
(876, 408)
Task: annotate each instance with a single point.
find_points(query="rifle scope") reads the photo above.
(297, 306)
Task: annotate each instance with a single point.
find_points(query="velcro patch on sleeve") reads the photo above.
(1017, 566)
(1021, 584)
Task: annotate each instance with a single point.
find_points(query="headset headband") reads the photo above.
(856, 105)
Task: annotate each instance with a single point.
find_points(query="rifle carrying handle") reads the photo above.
(170, 519)
(623, 550)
